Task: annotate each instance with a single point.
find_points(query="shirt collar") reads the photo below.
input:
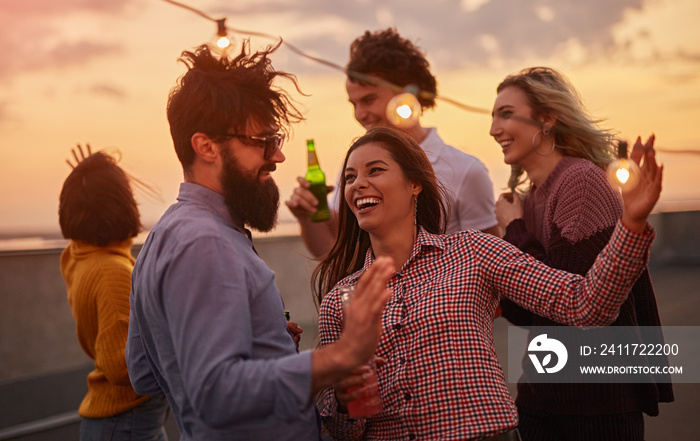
(211, 201)
(432, 145)
(424, 240)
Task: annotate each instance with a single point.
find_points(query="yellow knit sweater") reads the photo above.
(98, 281)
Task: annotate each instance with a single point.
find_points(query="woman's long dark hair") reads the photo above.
(348, 254)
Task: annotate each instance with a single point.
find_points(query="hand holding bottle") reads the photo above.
(310, 199)
(303, 203)
(317, 184)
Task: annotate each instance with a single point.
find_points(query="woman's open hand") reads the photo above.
(82, 155)
(640, 199)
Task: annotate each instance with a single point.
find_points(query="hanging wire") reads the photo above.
(190, 8)
(678, 151)
(364, 78)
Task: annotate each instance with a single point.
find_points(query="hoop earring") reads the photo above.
(532, 143)
(549, 152)
(545, 131)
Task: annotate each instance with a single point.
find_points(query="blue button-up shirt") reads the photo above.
(207, 328)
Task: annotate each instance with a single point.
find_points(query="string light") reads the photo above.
(222, 28)
(222, 45)
(350, 73)
(404, 109)
(623, 173)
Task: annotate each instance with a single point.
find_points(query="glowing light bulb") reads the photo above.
(623, 173)
(404, 109)
(221, 44)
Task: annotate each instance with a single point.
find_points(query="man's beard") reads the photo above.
(248, 198)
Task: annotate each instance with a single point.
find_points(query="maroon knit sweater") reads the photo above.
(567, 222)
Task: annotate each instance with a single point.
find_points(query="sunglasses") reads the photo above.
(270, 144)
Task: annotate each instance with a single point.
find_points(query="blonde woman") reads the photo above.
(564, 216)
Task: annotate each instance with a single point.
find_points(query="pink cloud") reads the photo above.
(39, 8)
(108, 90)
(72, 54)
(31, 40)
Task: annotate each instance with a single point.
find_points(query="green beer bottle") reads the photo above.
(317, 179)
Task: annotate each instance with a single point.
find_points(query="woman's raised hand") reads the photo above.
(640, 199)
(82, 155)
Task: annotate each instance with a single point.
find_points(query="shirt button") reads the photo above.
(402, 360)
(397, 326)
(407, 396)
(411, 436)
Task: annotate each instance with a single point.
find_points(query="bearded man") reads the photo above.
(207, 324)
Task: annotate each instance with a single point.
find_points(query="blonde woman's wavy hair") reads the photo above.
(576, 133)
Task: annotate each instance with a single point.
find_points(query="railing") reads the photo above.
(38, 426)
(38, 338)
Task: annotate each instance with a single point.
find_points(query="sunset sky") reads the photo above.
(99, 72)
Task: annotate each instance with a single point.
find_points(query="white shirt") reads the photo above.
(466, 179)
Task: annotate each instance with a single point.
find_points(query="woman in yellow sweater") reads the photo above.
(98, 213)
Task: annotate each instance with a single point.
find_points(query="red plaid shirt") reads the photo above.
(442, 379)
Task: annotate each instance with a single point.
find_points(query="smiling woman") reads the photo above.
(376, 191)
(381, 160)
(438, 372)
(567, 215)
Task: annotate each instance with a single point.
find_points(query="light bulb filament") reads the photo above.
(622, 175)
(404, 111)
(223, 42)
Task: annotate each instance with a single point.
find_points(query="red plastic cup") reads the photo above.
(370, 402)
